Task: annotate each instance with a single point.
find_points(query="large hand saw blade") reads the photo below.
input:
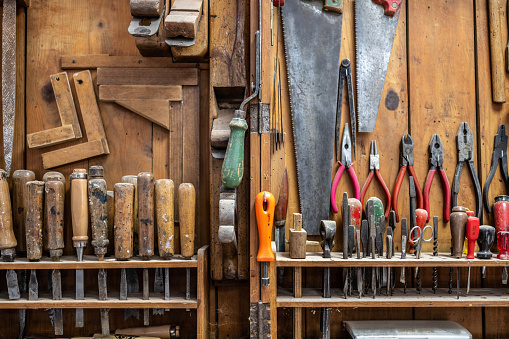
(312, 46)
(374, 34)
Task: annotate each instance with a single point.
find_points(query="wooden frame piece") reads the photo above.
(93, 61)
(147, 76)
(70, 129)
(97, 144)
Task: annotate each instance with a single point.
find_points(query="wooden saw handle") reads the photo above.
(165, 217)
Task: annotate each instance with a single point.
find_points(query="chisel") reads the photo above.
(7, 239)
(327, 233)
(165, 221)
(280, 221)
(33, 228)
(97, 198)
(146, 229)
(79, 216)
(54, 199)
(187, 208)
(132, 274)
(123, 229)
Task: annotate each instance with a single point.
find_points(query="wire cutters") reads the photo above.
(499, 153)
(374, 168)
(465, 141)
(436, 161)
(346, 162)
(406, 161)
(345, 72)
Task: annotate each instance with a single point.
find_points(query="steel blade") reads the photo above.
(102, 278)
(33, 286)
(133, 286)
(312, 40)
(58, 320)
(374, 35)
(12, 284)
(80, 295)
(123, 285)
(166, 285)
(158, 288)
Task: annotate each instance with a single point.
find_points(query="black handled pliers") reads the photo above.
(465, 140)
(345, 72)
(499, 153)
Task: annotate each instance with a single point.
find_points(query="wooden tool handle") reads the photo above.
(146, 214)
(97, 195)
(110, 201)
(265, 219)
(34, 218)
(165, 217)
(133, 179)
(163, 332)
(497, 61)
(458, 224)
(233, 164)
(53, 176)
(123, 221)
(146, 7)
(19, 180)
(187, 203)
(472, 235)
(7, 238)
(54, 217)
(79, 207)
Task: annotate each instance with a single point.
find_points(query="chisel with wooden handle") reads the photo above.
(165, 221)
(79, 217)
(19, 195)
(33, 227)
(146, 229)
(163, 332)
(187, 211)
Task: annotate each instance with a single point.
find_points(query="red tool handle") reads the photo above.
(395, 194)
(335, 183)
(427, 187)
(472, 235)
(278, 3)
(355, 182)
(265, 219)
(417, 186)
(447, 193)
(387, 194)
(420, 219)
(365, 189)
(391, 7)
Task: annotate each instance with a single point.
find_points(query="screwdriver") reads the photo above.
(79, 216)
(264, 208)
(472, 235)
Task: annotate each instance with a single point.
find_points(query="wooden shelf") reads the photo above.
(91, 262)
(68, 301)
(482, 297)
(315, 259)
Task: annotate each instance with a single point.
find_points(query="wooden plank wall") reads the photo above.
(440, 73)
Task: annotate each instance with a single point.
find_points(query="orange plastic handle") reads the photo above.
(265, 220)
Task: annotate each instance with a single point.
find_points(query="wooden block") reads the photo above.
(298, 244)
(199, 50)
(140, 92)
(74, 153)
(147, 76)
(65, 102)
(50, 137)
(157, 111)
(146, 7)
(187, 5)
(182, 24)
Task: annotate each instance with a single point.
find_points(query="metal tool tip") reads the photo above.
(345, 62)
(374, 149)
(100, 257)
(79, 253)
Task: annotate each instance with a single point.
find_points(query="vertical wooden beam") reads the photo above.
(202, 313)
(297, 311)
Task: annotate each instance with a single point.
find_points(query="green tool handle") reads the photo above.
(233, 164)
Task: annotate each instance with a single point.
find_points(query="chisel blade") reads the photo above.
(146, 314)
(188, 285)
(33, 286)
(12, 284)
(158, 288)
(123, 285)
(80, 295)
(102, 279)
(133, 286)
(167, 285)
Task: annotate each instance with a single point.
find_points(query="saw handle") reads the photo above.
(233, 164)
(391, 7)
(264, 218)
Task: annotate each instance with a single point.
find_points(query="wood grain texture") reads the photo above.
(140, 92)
(147, 76)
(51, 137)
(65, 102)
(199, 50)
(156, 111)
(91, 61)
(19, 197)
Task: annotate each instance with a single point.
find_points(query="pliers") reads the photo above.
(465, 140)
(436, 161)
(406, 161)
(374, 168)
(499, 153)
(346, 162)
(345, 72)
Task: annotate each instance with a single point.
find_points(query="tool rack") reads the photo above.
(299, 297)
(198, 301)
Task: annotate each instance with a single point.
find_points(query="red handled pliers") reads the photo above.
(406, 161)
(374, 168)
(346, 162)
(436, 161)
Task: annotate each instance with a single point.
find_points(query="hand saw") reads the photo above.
(312, 40)
(375, 27)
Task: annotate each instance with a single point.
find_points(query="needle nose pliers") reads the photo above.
(436, 161)
(346, 162)
(374, 168)
(406, 161)
(465, 143)
(499, 153)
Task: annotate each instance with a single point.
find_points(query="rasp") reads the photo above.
(312, 40)
(375, 27)
(8, 78)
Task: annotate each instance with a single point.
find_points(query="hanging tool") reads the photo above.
(34, 222)
(264, 207)
(413, 217)
(406, 161)
(165, 221)
(355, 237)
(436, 161)
(435, 252)
(374, 168)
(54, 199)
(497, 61)
(327, 233)
(97, 197)
(499, 154)
(146, 229)
(79, 213)
(472, 236)
(465, 140)
(374, 35)
(404, 239)
(187, 209)
(280, 220)
(313, 75)
(277, 112)
(345, 71)
(365, 251)
(346, 162)
(389, 244)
